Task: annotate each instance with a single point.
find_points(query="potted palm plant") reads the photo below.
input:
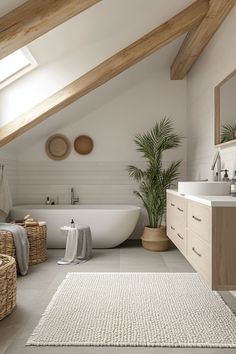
(155, 179)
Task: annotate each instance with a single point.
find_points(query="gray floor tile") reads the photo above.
(159, 268)
(35, 291)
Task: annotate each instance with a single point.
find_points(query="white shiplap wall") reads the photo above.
(101, 177)
(95, 182)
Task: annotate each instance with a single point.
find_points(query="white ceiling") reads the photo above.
(107, 27)
(9, 5)
(129, 19)
(121, 21)
(97, 98)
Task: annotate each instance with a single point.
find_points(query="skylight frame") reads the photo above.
(21, 72)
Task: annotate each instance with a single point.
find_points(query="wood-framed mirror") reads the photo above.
(225, 111)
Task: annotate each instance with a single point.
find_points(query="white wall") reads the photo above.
(216, 62)
(101, 177)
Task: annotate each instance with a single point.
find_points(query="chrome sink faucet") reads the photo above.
(74, 200)
(217, 163)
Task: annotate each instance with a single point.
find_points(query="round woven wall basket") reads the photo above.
(83, 144)
(58, 147)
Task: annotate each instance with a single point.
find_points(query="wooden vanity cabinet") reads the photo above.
(206, 236)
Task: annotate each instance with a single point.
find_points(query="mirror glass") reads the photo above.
(225, 114)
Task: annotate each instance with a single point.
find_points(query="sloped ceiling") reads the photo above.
(88, 38)
(97, 98)
(9, 5)
(78, 45)
(121, 22)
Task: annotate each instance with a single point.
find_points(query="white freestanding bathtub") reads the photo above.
(110, 224)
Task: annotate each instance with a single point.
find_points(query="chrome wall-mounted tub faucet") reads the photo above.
(74, 200)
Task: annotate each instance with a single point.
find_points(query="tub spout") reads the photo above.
(74, 200)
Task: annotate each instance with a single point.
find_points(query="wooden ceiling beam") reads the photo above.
(140, 49)
(197, 39)
(34, 18)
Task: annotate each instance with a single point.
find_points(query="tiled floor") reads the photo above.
(36, 289)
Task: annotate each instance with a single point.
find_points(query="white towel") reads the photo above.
(5, 194)
(21, 243)
(78, 245)
(71, 247)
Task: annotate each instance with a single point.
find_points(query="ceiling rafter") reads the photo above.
(34, 18)
(183, 22)
(197, 39)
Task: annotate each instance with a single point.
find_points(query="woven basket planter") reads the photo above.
(37, 236)
(7, 285)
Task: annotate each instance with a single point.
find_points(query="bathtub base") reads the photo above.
(110, 225)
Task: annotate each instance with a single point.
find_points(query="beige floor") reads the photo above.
(36, 289)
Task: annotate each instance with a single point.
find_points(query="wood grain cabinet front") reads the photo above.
(176, 220)
(206, 236)
(199, 220)
(199, 255)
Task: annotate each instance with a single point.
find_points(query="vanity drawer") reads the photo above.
(199, 254)
(199, 220)
(177, 237)
(174, 226)
(180, 241)
(176, 208)
(171, 233)
(171, 204)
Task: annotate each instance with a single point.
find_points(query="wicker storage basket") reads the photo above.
(37, 236)
(7, 285)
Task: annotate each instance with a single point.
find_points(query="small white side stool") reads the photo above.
(78, 244)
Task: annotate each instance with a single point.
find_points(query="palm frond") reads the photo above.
(135, 173)
(171, 174)
(154, 180)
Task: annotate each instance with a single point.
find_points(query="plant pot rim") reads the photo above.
(155, 228)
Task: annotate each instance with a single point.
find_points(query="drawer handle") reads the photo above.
(181, 210)
(197, 253)
(197, 219)
(172, 228)
(172, 204)
(180, 236)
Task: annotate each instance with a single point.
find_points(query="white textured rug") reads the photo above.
(136, 309)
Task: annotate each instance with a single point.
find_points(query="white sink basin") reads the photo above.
(204, 188)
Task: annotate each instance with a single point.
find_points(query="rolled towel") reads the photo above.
(27, 217)
(42, 223)
(31, 223)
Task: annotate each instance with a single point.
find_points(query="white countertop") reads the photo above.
(210, 200)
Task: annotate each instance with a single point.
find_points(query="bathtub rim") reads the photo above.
(92, 207)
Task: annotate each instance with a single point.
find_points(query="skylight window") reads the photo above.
(16, 65)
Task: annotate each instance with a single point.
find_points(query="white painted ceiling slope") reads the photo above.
(9, 5)
(73, 48)
(156, 63)
(119, 23)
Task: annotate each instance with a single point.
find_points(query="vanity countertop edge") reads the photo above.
(212, 201)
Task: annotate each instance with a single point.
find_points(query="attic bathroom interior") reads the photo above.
(117, 176)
